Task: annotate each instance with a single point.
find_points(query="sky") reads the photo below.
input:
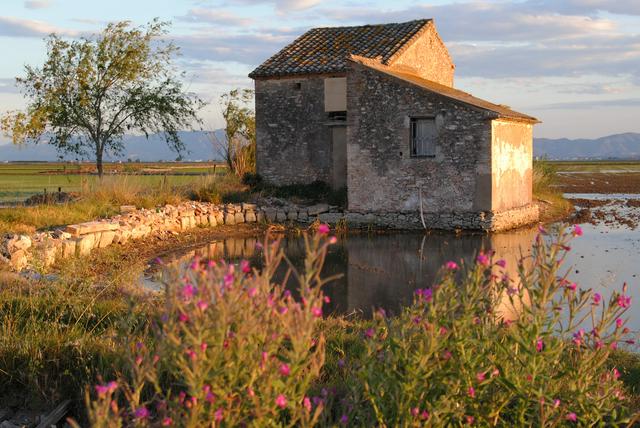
(573, 64)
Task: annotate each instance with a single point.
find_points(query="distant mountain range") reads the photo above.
(619, 146)
(201, 148)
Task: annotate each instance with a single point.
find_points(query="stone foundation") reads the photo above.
(486, 221)
(43, 249)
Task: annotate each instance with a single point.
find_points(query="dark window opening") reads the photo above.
(339, 116)
(423, 137)
(298, 86)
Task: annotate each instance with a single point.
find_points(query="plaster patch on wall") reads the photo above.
(508, 156)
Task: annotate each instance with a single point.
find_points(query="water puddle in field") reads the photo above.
(383, 270)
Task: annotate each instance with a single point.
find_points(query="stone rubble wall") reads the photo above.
(43, 249)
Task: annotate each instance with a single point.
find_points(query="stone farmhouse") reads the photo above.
(373, 109)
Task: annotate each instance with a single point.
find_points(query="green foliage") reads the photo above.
(452, 358)
(90, 91)
(230, 348)
(544, 176)
(239, 147)
(318, 191)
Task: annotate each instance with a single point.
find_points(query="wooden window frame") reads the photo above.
(412, 144)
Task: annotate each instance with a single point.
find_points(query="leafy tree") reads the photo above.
(90, 91)
(239, 147)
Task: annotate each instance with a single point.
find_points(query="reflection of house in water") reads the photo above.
(381, 270)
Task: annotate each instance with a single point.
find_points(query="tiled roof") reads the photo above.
(325, 50)
(447, 91)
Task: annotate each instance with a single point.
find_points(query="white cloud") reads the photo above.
(16, 27)
(215, 16)
(37, 4)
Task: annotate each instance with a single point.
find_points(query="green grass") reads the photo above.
(18, 181)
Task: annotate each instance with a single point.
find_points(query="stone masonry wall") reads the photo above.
(43, 249)
(427, 57)
(293, 142)
(382, 177)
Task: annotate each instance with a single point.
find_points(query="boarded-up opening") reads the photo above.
(335, 94)
(339, 156)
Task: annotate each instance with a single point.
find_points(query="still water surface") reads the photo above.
(383, 270)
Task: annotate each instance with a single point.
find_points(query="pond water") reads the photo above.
(383, 270)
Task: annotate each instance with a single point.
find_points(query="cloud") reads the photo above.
(592, 104)
(8, 86)
(245, 48)
(282, 6)
(213, 16)
(623, 7)
(15, 27)
(37, 4)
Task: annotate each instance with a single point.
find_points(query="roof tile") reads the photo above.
(325, 50)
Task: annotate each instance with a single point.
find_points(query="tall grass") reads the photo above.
(103, 199)
(555, 206)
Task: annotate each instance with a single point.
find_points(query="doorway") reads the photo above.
(339, 156)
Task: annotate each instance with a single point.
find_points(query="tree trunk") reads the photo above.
(99, 161)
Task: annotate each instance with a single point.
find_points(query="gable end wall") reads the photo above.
(427, 57)
(382, 177)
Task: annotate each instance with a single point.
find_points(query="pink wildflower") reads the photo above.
(596, 298)
(539, 344)
(141, 413)
(188, 291)
(317, 312)
(333, 240)
(344, 419)
(616, 373)
(203, 346)
(577, 230)
(285, 370)
(202, 305)
(182, 317)
(571, 417)
(369, 333)
(556, 403)
(281, 401)
(283, 310)
(624, 301)
(424, 415)
(619, 322)
(101, 390)
(482, 259)
(167, 421)
(306, 403)
(451, 265)
(470, 420)
(571, 286)
(502, 263)
(480, 376)
(218, 415)
(245, 266)
(228, 280)
(471, 392)
(323, 229)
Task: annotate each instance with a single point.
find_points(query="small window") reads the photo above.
(423, 137)
(298, 86)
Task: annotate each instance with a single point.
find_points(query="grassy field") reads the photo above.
(20, 180)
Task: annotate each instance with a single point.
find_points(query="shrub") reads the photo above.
(230, 347)
(452, 359)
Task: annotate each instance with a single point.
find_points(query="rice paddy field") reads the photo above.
(20, 180)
